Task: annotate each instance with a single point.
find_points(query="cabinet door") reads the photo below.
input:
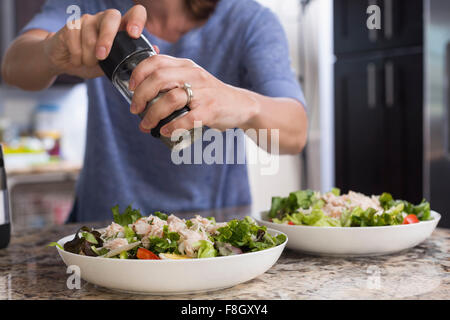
(378, 125)
(402, 125)
(358, 125)
(401, 25)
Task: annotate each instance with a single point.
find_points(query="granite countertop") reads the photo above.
(30, 270)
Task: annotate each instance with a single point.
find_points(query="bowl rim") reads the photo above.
(436, 218)
(190, 260)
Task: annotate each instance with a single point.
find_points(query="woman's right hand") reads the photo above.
(76, 51)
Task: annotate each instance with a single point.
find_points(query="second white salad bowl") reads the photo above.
(353, 241)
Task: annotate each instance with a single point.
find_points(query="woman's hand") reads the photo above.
(215, 103)
(76, 51)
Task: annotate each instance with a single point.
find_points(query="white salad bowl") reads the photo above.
(164, 277)
(353, 241)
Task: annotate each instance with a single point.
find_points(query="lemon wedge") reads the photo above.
(172, 256)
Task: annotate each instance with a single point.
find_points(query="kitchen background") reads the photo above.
(377, 102)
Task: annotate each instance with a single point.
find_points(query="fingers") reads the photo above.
(134, 21)
(89, 41)
(171, 101)
(108, 25)
(163, 80)
(73, 42)
(150, 65)
(186, 122)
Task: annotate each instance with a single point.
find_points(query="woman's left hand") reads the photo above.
(216, 104)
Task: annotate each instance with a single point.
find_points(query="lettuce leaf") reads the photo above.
(336, 191)
(247, 235)
(161, 215)
(316, 218)
(129, 216)
(422, 210)
(370, 217)
(166, 244)
(205, 249)
(300, 199)
(130, 235)
(55, 244)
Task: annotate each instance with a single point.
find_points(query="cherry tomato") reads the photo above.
(145, 254)
(291, 223)
(410, 218)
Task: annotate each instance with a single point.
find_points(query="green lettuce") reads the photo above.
(300, 199)
(55, 244)
(370, 218)
(166, 244)
(161, 215)
(129, 216)
(247, 235)
(422, 210)
(316, 218)
(205, 249)
(130, 235)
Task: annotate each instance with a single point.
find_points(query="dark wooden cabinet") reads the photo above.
(379, 106)
(378, 115)
(401, 25)
(358, 126)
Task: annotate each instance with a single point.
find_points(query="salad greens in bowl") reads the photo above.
(192, 255)
(331, 209)
(349, 224)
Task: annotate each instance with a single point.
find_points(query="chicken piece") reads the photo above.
(188, 240)
(176, 224)
(141, 227)
(115, 243)
(157, 226)
(200, 223)
(113, 230)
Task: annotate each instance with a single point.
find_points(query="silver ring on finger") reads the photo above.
(190, 94)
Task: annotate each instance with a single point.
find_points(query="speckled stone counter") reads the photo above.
(31, 270)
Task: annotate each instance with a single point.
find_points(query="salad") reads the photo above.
(331, 209)
(162, 236)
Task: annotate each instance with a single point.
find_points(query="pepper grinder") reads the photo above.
(126, 53)
(5, 226)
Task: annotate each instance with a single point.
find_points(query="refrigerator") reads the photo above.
(437, 107)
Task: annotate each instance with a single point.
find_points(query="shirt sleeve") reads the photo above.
(266, 60)
(53, 15)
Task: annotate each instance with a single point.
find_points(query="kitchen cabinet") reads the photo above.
(401, 25)
(378, 114)
(358, 116)
(379, 105)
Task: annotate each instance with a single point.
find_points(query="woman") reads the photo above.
(241, 78)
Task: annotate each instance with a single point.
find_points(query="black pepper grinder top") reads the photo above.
(126, 53)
